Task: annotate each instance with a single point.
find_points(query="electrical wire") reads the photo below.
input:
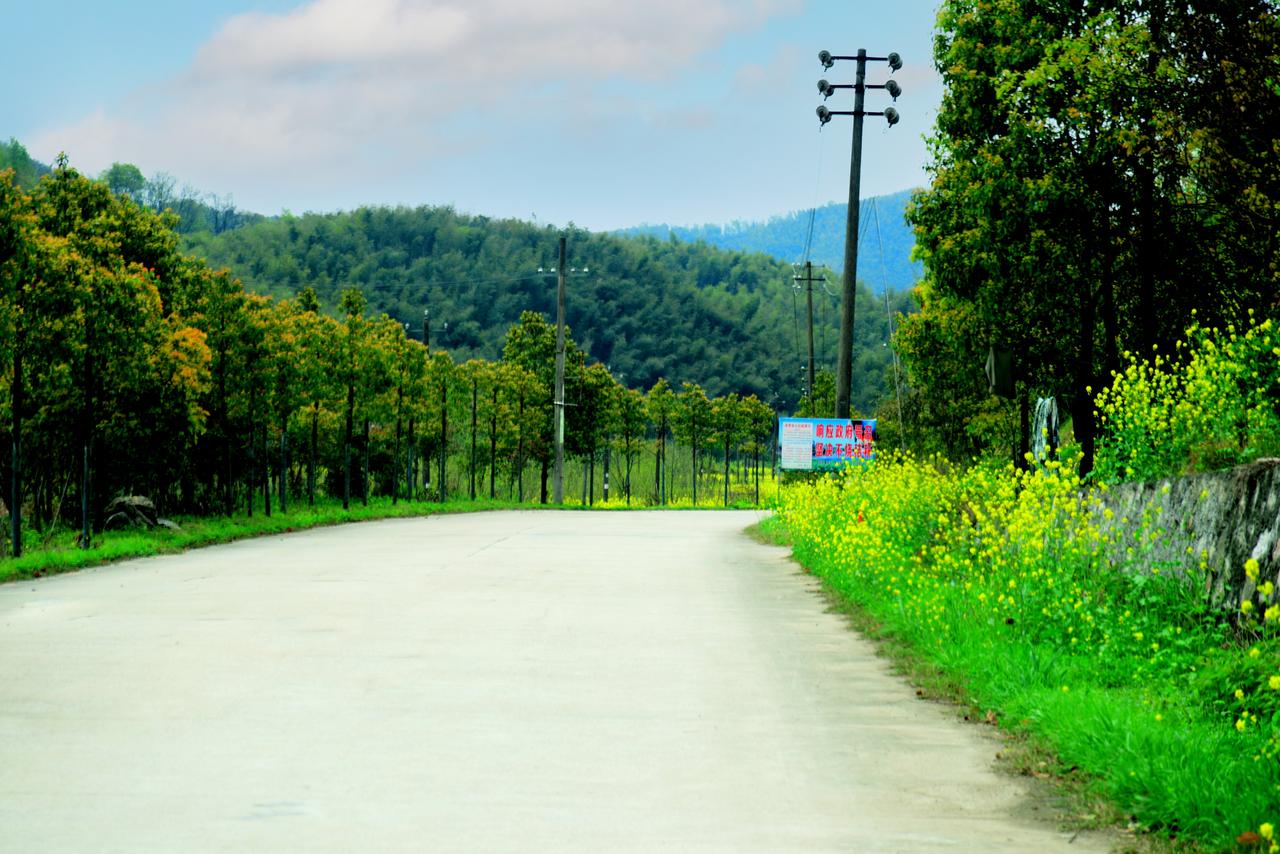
(893, 352)
(495, 281)
(817, 189)
(795, 316)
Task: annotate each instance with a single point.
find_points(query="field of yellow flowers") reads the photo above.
(1002, 580)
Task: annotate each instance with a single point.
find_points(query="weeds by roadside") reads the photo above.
(1001, 582)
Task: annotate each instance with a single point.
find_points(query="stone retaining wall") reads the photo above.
(1225, 518)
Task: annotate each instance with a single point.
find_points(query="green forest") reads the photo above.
(646, 308)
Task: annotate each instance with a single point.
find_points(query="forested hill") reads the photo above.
(882, 222)
(647, 308)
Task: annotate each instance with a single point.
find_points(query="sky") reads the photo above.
(603, 113)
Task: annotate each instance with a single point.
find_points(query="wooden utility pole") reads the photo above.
(558, 475)
(844, 365)
(808, 279)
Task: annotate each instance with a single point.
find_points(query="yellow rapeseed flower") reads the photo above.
(1251, 569)
(1274, 682)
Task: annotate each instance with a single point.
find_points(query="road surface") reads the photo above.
(523, 681)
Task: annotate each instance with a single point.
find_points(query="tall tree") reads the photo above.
(692, 422)
(661, 405)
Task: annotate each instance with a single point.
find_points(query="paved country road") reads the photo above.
(522, 681)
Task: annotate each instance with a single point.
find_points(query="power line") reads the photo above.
(893, 352)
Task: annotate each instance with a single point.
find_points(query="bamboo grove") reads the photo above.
(129, 368)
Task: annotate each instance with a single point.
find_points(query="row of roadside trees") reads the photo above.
(129, 368)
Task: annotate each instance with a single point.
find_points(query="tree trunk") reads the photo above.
(410, 462)
(311, 463)
(1082, 412)
(395, 464)
(266, 471)
(284, 469)
(493, 440)
(346, 447)
(520, 449)
(364, 475)
(18, 401)
(475, 392)
(726, 474)
(695, 473)
(444, 432)
(657, 467)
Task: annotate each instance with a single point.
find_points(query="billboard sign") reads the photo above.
(815, 444)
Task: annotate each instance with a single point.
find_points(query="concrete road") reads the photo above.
(534, 681)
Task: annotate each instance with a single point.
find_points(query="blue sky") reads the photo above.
(606, 113)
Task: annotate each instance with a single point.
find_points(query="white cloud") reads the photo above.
(272, 99)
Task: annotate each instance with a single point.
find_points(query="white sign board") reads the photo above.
(796, 439)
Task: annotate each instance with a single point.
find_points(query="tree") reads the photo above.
(531, 344)
(729, 418)
(591, 418)
(124, 179)
(692, 422)
(632, 421)
(660, 404)
(1063, 203)
(15, 248)
(760, 424)
(353, 305)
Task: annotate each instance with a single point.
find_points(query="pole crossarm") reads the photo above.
(844, 368)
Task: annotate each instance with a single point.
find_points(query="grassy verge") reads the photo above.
(1121, 685)
(1059, 790)
(57, 552)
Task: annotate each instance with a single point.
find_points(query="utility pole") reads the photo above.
(558, 476)
(808, 279)
(844, 364)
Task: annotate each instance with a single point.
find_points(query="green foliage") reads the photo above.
(1079, 206)
(648, 308)
(1003, 581)
(124, 179)
(26, 172)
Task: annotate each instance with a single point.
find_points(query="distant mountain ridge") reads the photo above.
(784, 236)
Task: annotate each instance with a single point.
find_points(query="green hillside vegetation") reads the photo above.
(647, 308)
(885, 239)
(26, 171)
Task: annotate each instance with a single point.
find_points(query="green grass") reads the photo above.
(1167, 713)
(56, 551)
